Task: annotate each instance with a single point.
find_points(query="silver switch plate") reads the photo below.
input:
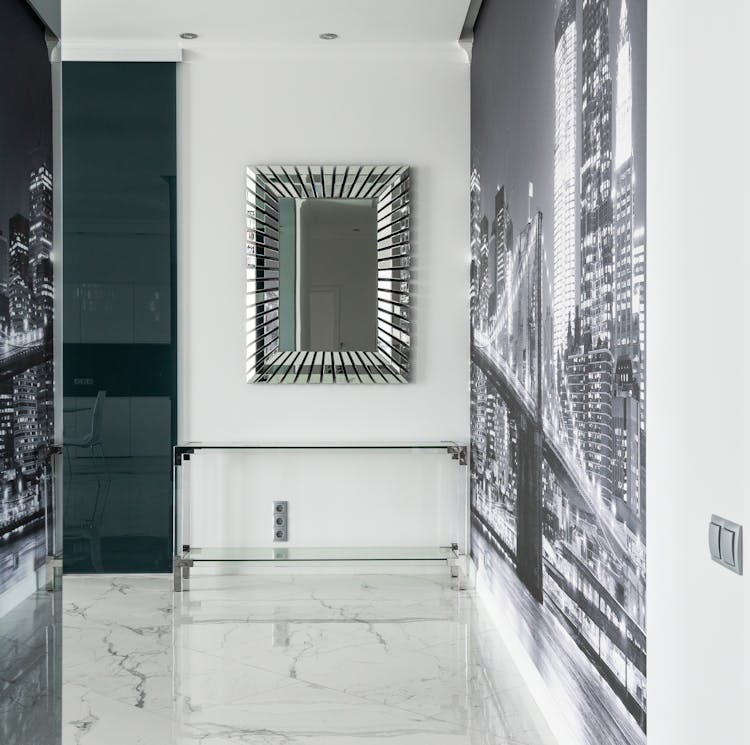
(725, 543)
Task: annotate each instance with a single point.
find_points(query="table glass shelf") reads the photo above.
(374, 553)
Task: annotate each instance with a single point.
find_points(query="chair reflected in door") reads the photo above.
(82, 513)
(93, 438)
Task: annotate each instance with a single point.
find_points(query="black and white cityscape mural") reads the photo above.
(26, 291)
(558, 309)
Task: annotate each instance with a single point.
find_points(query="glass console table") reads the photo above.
(187, 554)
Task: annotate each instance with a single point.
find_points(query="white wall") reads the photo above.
(395, 498)
(321, 105)
(698, 368)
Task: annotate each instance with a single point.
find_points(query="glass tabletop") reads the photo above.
(379, 553)
(199, 445)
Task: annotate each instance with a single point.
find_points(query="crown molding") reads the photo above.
(101, 51)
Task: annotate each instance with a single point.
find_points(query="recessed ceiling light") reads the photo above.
(329, 36)
(188, 35)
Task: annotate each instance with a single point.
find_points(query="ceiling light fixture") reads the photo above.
(189, 36)
(329, 36)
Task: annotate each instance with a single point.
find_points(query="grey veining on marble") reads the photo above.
(329, 659)
(30, 680)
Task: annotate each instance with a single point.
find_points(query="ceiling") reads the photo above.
(268, 22)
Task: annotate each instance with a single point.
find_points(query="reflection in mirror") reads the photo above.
(327, 274)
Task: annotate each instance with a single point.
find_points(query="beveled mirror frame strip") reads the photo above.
(265, 362)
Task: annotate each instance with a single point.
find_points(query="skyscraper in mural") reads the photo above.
(40, 243)
(475, 196)
(627, 408)
(565, 177)
(18, 262)
(596, 175)
(594, 438)
(625, 337)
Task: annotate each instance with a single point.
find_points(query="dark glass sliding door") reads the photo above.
(119, 314)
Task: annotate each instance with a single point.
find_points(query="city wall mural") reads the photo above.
(558, 307)
(26, 292)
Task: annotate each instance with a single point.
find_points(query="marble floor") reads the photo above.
(313, 659)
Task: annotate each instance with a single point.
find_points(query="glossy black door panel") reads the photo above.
(119, 325)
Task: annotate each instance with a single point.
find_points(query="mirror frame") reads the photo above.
(389, 186)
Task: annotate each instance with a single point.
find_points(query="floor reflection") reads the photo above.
(117, 484)
(116, 516)
(30, 671)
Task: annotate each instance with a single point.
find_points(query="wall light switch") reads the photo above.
(725, 543)
(714, 540)
(727, 546)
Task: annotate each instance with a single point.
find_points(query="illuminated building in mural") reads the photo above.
(40, 244)
(565, 184)
(596, 174)
(18, 263)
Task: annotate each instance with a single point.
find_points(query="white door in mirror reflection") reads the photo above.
(325, 322)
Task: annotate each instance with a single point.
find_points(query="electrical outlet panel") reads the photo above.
(280, 521)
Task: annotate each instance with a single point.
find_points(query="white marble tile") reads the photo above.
(305, 712)
(271, 659)
(120, 637)
(90, 717)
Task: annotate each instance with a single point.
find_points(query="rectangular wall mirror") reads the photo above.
(327, 274)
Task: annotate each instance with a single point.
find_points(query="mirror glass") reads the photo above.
(327, 274)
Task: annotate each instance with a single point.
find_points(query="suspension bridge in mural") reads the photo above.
(16, 357)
